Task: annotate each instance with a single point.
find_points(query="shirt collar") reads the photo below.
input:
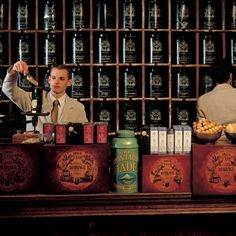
(61, 99)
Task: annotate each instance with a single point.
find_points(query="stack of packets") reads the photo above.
(162, 140)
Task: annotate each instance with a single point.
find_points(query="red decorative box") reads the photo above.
(166, 173)
(20, 168)
(213, 169)
(76, 168)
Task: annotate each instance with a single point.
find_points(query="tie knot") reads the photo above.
(56, 102)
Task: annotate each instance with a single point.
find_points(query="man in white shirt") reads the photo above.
(69, 110)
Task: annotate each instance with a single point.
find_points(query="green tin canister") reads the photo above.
(124, 162)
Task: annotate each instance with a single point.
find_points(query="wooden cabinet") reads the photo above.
(170, 105)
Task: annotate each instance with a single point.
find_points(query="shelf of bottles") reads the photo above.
(133, 63)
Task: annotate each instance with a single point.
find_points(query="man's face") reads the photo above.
(59, 81)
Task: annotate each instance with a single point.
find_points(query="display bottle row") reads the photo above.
(155, 17)
(156, 50)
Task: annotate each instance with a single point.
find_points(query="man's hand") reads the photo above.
(21, 67)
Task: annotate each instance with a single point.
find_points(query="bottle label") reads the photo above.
(130, 119)
(104, 86)
(77, 15)
(78, 50)
(183, 116)
(233, 17)
(155, 116)
(23, 50)
(77, 88)
(208, 83)
(104, 51)
(22, 17)
(129, 20)
(2, 23)
(156, 85)
(154, 20)
(50, 52)
(183, 86)
(182, 52)
(209, 51)
(50, 17)
(182, 21)
(130, 90)
(156, 55)
(129, 50)
(209, 17)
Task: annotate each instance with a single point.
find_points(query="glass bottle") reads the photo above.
(129, 49)
(183, 116)
(209, 49)
(182, 15)
(2, 16)
(129, 14)
(22, 15)
(23, 48)
(156, 83)
(77, 14)
(130, 117)
(183, 84)
(78, 86)
(155, 115)
(233, 49)
(104, 83)
(2, 56)
(105, 15)
(78, 48)
(50, 22)
(104, 49)
(156, 49)
(208, 83)
(50, 50)
(233, 16)
(154, 15)
(46, 85)
(104, 114)
(209, 19)
(183, 50)
(130, 83)
(36, 102)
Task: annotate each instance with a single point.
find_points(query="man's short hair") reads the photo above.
(62, 67)
(220, 70)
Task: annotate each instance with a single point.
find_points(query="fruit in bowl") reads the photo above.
(207, 131)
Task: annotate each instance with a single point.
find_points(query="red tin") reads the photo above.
(213, 169)
(88, 133)
(166, 173)
(76, 168)
(20, 167)
(101, 132)
(60, 134)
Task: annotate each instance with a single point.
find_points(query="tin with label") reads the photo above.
(125, 160)
(60, 132)
(101, 129)
(48, 133)
(88, 133)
